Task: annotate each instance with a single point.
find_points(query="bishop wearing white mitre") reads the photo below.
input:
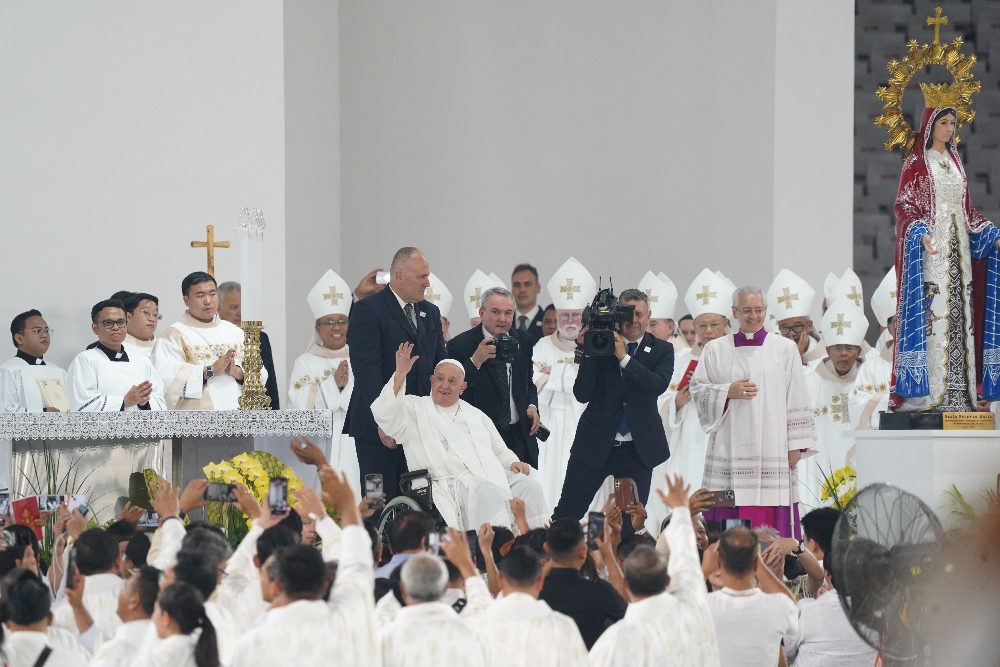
(830, 385)
(871, 389)
(200, 357)
(106, 378)
(23, 376)
(554, 374)
(473, 473)
(322, 377)
(688, 440)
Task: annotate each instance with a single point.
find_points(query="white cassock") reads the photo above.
(313, 388)
(181, 354)
(431, 633)
(313, 632)
(468, 461)
(100, 597)
(826, 636)
(19, 387)
(871, 388)
(120, 650)
(558, 409)
(98, 380)
(521, 630)
(174, 651)
(830, 396)
(676, 623)
(688, 442)
(24, 648)
(144, 347)
(749, 440)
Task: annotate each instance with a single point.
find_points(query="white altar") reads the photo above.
(99, 450)
(927, 463)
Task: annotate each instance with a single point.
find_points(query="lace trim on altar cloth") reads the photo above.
(164, 424)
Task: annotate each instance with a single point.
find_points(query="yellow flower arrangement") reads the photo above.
(840, 486)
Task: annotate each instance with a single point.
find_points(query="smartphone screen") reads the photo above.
(150, 520)
(4, 504)
(71, 567)
(595, 528)
(732, 523)
(373, 490)
(473, 538)
(277, 495)
(434, 542)
(218, 492)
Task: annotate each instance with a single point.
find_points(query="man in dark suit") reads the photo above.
(620, 432)
(504, 391)
(525, 288)
(379, 324)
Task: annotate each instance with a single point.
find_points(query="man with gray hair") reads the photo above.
(751, 396)
(501, 386)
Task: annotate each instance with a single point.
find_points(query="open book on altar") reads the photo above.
(53, 394)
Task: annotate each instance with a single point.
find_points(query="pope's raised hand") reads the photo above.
(404, 362)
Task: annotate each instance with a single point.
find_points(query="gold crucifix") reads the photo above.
(652, 298)
(211, 244)
(787, 297)
(937, 22)
(705, 295)
(855, 296)
(840, 324)
(569, 289)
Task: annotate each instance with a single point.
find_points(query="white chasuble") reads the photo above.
(749, 439)
(313, 387)
(431, 633)
(468, 461)
(181, 355)
(830, 395)
(521, 630)
(554, 375)
(19, 387)
(688, 441)
(98, 380)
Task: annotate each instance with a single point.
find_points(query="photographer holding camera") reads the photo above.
(497, 362)
(622, 372)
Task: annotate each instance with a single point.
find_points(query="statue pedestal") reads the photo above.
(927, 463)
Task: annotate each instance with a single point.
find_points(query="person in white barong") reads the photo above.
(20, 389)
(667, 615)
(200, 357)
(322, 377)
(870, 395)
(106, 378)
(688, 440)
(830, 385)
(135, 609)
(554, 373)
(751, 398)
(473, 473)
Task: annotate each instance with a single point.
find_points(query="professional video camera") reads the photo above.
(603, 317)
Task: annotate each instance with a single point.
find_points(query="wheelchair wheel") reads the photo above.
(395, 507)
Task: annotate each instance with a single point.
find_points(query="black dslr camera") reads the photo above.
(506, 346)
(603, 318)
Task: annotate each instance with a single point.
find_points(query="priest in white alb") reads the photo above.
(106, 378)
(870, 395)
(27, 382)
(554, 373)
(830, 386)
(688, 440)
(322, 377)
(474, 475)
(750, 393)
(200, 357)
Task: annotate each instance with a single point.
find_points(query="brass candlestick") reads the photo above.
(253, 396)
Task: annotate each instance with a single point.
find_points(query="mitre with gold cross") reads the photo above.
(439, 295)
(789, 296)
(329, 296)
(843, 323)
(710, 293)
(849, 286)
(662, 295)
(884, 298)
(478, 283)
(571, 286)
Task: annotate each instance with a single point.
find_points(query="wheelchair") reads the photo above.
(415, 496)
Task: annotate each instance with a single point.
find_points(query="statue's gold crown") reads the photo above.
(939, 95)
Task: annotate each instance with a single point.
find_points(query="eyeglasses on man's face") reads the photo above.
(332, 323)
(113, 324)
(747, 312)
(148, 314)
(39, 331)
(792, 328)
(718, 324)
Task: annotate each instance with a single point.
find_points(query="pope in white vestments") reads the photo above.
(473, 473)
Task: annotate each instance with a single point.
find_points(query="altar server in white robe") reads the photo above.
(663, 620)
(751, 397)
(322, 377)
(520, 629)
(870, 395)
(688, 440)
(300, 628)
(106, 378)
(143, 313)
(474, 474)
(554, 373)
(830, 386)
(23, 376)
(200, 357)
